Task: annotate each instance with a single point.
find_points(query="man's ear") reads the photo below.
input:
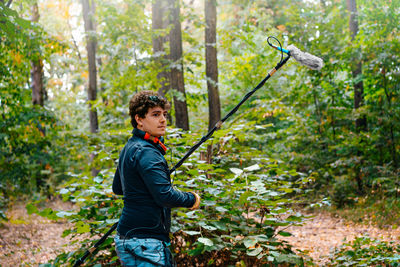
(138, 119)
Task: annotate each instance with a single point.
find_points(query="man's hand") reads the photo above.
(197, 202)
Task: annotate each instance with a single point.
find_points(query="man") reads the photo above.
(142, 177)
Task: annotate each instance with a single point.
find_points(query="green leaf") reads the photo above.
(98, 179)
(205, 241)
(64, 191)
(63, 214)
(236, 171)
(30, 208)
(191, 232)
(243, 198)
(254, 167)
(283, 233)
(293, 218)
(254, 252)
(82, 227)
(48, 213)
(248, 242)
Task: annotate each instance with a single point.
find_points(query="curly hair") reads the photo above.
(141, 102)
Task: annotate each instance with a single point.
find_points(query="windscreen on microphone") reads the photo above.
(305, 58)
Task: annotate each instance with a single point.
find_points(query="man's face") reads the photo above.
(154, 122)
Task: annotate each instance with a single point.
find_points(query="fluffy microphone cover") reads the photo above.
(306, 59)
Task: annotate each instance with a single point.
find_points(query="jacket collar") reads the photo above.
(157, 142)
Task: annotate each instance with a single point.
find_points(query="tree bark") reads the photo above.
(159, 23)
(88, 11)
(214, 106)
(361, 123)
(177, 81)
(38, 91)
(91, 43)
(37, 68)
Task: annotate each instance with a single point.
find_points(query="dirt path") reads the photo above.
(28, 240)
(323, 232)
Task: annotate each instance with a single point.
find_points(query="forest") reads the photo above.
(307, 142)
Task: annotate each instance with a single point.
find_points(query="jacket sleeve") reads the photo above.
(153, 169)
(117, 186)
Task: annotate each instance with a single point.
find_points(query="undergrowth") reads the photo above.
(364, 251)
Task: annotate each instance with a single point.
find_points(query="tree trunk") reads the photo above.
(177, 81)
(91, 43)
(38, 90)
(361, 123)
(159, 23)
(88, 11)
(392, 141)
(37, 68)
(214, 106)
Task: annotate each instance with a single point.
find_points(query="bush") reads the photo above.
(245, 206)
(364, 251)
(343, 192)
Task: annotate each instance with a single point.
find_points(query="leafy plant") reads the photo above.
(364, 251)
(245, 208)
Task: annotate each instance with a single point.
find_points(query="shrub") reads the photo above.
(364, 251)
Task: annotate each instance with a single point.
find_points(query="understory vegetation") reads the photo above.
(298, 143)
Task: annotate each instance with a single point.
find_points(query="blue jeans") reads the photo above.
(141, 252)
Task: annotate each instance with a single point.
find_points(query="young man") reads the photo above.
(143, 178)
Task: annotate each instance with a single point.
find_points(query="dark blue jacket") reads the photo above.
(143, 178)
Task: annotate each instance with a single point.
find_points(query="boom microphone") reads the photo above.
(305, 58)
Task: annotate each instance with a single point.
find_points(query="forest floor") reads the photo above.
(28, 240)
(323, 231)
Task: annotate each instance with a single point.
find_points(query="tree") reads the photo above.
(37, 86)
(159, 24)
(361, 123)
(88, 10)
(214, 105)
(177, 82)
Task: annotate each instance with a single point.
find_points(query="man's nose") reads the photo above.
(163, 117)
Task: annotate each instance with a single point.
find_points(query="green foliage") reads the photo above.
(296, 134)
(364, 251)
(376, 209)
(246, 203)
(321, 137)
(343, 192)
(29, 155)
(245, 208)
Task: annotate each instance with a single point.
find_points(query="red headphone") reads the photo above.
(147, 136)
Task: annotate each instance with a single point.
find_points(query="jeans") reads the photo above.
(142, 252)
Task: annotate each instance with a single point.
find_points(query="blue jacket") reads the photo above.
(142, 176)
